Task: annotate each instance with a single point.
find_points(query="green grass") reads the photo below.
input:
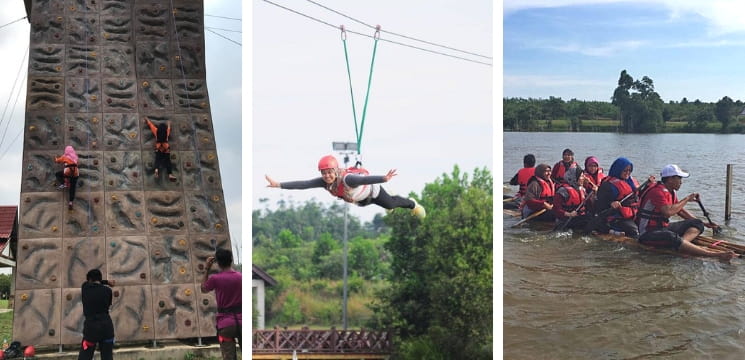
(6, 325)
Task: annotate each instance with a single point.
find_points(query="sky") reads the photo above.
(426, 112)
(223, 59)
(577, 49)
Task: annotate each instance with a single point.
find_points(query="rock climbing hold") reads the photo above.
(187, 292)
(32, 128)
(154, 220)
(24, 297)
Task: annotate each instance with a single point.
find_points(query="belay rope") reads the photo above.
(359, 129)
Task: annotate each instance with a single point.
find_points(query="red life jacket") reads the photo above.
(595, 179)
(547, 189)
(650, 216)
(523, 176)
(576, 197)
(547, 192)
(624, 189)
(340, 190)
(557, 172)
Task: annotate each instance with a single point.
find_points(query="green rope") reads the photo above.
(351, 92)
(359, 129)
(367, 96)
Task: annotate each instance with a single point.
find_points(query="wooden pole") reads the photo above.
(728, 196)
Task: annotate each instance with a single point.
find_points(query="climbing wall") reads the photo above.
(96, 69)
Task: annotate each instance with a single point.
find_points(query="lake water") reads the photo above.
(573, 297)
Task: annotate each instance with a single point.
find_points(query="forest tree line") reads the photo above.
(634, 107)
(429, 281)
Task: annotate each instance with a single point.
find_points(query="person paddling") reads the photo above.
(658, 203)
(594, 175)
(521, 178)
(617, 201)
(569, 201)
(353, 185)
(567, 162)
(539, 195)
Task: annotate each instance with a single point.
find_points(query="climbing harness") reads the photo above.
(358, 129)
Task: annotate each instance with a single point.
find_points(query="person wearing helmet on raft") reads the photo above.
(352, 185)
(658, 203)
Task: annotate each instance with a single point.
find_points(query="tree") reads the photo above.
(640, 106)
(724, 111)
(441, 269)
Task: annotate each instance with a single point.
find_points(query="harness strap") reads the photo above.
(230, 310)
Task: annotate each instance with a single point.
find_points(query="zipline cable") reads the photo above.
(390, 41)
(223, 17)
(20, 69)
(401, 35)
(224, 37)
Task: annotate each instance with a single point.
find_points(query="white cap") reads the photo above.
(673, 170)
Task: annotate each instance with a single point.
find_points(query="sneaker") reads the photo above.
(418, 210)
(61, 187)
(156, 173)
(171, 177)
(69, 205)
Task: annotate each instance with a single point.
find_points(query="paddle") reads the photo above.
(533, 215)
(566, 222)
(716, 229)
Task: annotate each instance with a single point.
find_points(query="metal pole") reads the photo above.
(728, 196)
(346, 222)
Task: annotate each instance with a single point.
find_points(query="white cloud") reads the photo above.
(605, 50)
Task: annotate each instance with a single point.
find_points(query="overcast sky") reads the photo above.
(577, 49)
(426, 112)
(223, 60)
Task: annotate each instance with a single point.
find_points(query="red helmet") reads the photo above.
(29, 351)
(327, 162)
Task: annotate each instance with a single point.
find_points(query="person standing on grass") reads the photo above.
(227, 286)
(98, 329)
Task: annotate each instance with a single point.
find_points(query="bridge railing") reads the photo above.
(321, 341)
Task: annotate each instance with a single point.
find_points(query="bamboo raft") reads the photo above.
(701, 240)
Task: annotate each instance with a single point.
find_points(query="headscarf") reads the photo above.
(572, 175)
(592, 160)
(617, 167)
(71, 154)
(540, 171)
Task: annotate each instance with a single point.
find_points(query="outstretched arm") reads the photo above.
(296, 185)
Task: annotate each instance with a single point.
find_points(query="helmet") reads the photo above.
(29, 351)
(327, 162)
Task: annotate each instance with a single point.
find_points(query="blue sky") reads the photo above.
(577, 49)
